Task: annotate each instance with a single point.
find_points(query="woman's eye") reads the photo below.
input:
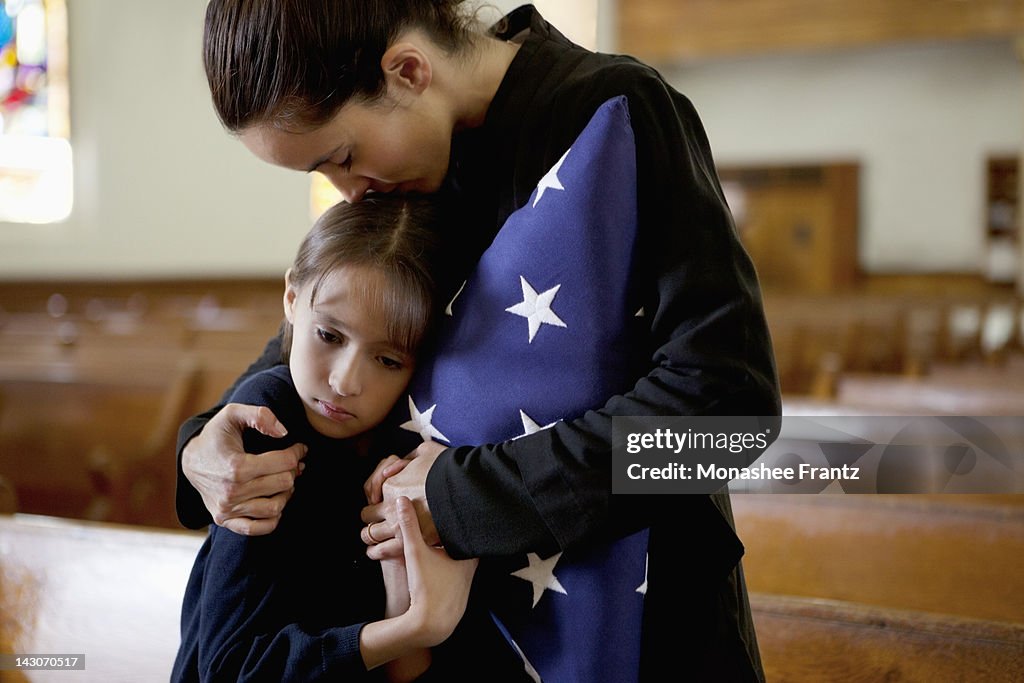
(390, 363)
(326, 336)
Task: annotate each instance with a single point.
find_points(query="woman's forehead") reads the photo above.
(301, 151)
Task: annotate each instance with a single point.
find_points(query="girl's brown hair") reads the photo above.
(294, 63)
(392, 234)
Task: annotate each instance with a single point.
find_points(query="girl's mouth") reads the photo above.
(333, 412)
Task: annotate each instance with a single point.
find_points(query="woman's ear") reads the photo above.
(406, 68)
(290, 294)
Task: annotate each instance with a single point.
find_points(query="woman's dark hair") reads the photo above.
(294, 63)
(392, 234)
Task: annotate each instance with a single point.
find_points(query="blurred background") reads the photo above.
(869, 150)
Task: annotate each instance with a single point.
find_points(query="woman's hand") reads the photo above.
(438, 585)
(374, 486)
(244, 493)
(438, 590)
(406, 477)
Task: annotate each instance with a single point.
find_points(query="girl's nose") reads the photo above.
(344, 378)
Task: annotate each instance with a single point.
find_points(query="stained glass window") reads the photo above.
(35, 151)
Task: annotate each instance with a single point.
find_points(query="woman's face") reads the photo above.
(382, 146)
(346, 370)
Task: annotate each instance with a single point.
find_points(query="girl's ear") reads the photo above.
(406, 68)
(290, 295)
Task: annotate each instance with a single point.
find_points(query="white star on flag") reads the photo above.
(541, 573)
(421, 423)
(530, 425)
(536, 308)
(550, 179)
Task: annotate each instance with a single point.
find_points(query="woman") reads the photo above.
(405, 96)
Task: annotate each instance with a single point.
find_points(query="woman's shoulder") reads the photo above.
(611, 76)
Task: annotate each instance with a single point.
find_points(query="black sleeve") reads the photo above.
(241, 634)
(711, 355)
(192, 513)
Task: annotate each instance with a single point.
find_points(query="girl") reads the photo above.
(304, 603)
(408, 95)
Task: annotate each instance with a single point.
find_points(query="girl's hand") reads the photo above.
(438, 585)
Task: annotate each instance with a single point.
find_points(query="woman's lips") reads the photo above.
(333, 412)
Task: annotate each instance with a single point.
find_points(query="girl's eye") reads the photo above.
(390, 363)
(326, 336)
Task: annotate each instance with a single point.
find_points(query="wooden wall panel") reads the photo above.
(799, 223)
(664, 31)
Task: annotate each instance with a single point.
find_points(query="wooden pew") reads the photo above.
(812, 640)
(858, 332)
(8, 497)
(814, 339)
(111, 593)
(92, 433)
(971, 390)
(944, 554)
(96, 440)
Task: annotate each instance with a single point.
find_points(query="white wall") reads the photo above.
(920, 119)
(162, 191)
(160, 188)
(582, 21)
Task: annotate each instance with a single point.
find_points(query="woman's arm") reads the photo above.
(217, 480)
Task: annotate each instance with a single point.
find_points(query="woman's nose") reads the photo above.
(351, 187)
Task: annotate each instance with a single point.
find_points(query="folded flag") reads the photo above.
(549, 325)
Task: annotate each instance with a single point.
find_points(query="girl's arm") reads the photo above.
(396, 584)
(427, 611)
(240, 629)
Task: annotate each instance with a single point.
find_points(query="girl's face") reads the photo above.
(381, 146)
(346, 370)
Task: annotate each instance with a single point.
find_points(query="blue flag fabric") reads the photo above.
(548, 326)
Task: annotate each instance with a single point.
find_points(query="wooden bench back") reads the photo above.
(929, 553)
(806, 639)
(111, 593)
